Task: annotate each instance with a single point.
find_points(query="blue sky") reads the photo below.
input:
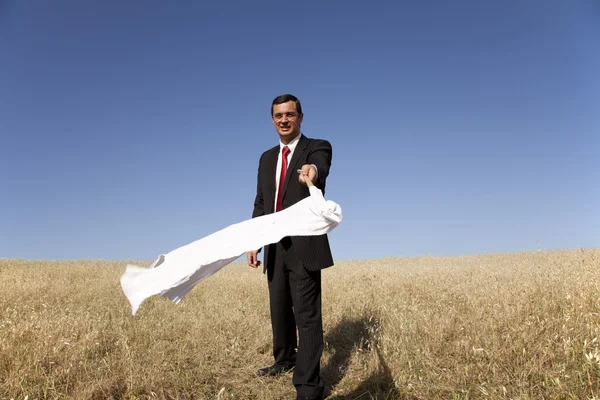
(131, 128)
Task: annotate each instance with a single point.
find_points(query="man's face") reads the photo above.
(287, 121)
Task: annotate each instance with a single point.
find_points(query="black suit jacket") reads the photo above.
(312, 251)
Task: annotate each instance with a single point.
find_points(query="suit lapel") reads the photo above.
(291, 171)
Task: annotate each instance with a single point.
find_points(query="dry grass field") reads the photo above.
(500, 326)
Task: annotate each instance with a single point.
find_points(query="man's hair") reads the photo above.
(284, 98)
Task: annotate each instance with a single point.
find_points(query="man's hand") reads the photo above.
(308, 172)
(253, 258)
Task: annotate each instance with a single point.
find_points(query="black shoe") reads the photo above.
(275, 369)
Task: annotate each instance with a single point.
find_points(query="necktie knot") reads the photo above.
(286, 151)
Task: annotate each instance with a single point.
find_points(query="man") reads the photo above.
(294, 264)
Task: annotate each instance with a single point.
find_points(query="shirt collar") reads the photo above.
(292, 144)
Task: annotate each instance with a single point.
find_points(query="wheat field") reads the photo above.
(497, 326)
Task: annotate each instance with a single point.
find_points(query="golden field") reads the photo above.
(498, 326)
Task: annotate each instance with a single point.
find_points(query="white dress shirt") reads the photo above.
(292, 146)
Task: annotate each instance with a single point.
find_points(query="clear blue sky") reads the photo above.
(130, 128)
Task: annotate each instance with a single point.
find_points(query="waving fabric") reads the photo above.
(174, 274)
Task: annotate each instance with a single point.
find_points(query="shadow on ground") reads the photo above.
(343, 339)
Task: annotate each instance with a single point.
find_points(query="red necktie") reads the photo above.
(284, 163)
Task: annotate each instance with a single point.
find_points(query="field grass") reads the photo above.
(500, 326)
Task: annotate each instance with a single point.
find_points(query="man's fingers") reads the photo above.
(301, 178)
(307, 172)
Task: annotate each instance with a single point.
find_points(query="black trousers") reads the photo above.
(295, 300)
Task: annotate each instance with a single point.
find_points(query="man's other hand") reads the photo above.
(308, 172)
(253, 258)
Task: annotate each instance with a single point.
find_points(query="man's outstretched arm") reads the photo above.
(318, 163)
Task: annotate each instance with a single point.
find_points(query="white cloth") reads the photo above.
(174, 274)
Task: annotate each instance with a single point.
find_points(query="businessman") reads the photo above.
(294, 264)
